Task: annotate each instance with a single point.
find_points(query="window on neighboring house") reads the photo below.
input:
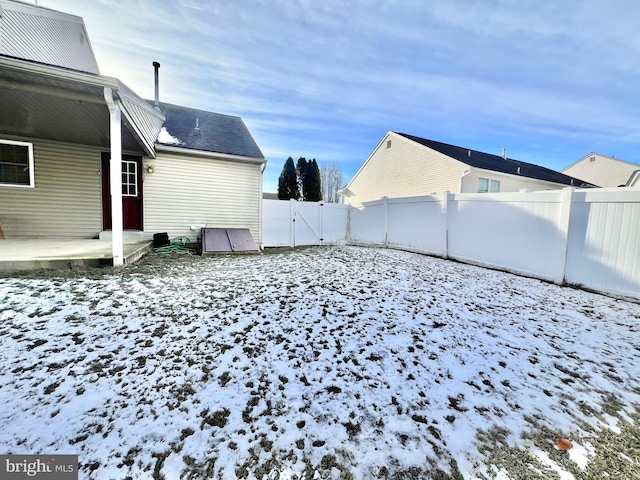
(16, 164)
(486, 185)
(129, 178)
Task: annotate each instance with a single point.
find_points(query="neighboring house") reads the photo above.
(602, 171)
(269, 196)
(404, 165)
(66, 132)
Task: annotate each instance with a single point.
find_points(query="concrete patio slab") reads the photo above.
(63, 253)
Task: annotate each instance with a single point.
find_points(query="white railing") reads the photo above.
(589, 238)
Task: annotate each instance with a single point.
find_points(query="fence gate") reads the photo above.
(297, 224)
(307, 223)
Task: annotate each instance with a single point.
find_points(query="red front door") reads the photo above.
(131, 186)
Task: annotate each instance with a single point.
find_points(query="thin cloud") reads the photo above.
(320, 79)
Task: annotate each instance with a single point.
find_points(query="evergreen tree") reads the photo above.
(301, 169)
(288, 182)
(312, 186)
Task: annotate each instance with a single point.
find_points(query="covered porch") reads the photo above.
(66, 120)
(64, 253)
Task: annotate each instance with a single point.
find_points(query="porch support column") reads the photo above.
(115, 179)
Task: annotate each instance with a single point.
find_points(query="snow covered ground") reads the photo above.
(334, 362)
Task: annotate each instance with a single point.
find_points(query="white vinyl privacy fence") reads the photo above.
(294, 224)
(587, 237)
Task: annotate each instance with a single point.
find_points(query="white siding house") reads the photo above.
(403, 165)
(602, 170)
(67, 132)
(208, 172)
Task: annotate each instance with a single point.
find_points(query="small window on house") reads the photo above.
(16, 164)
(388, 143)
(486, 185)
(592, 158)
(129, 178)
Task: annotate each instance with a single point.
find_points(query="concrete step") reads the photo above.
(129, 236)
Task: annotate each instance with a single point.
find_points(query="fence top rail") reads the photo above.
(550, 196)
(608, 195)
(417, 199)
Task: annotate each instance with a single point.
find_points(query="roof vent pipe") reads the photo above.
(504, 153)
(156, 67)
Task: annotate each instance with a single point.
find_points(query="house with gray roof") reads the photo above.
(605, 171)
(83, 156)
(404, 165)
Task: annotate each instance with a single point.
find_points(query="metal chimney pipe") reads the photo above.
(156, 67)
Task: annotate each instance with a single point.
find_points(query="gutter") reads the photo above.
(212, 155)
(59, 73)
(523, 177)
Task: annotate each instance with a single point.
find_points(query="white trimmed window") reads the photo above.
(486, 185)
(129, 178)
(16, 164)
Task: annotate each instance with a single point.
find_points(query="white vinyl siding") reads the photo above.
(508, 183)
(403, 168)
(66, 200)
(185, 191)
(602, 170)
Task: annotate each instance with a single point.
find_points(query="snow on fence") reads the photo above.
(587, 237)
(293, 224)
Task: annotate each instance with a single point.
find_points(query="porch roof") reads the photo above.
(53, 103)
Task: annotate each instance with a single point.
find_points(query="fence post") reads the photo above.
(348, 226)
(292, 223)
(385, 202)
(566, 201)
(445, 209)
(321, 213)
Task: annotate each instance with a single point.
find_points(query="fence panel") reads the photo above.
(367, 223)
(276, 223)
(520, 232)
(418, 224)
(604, 241)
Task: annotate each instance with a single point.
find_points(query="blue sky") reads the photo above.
(326, 79)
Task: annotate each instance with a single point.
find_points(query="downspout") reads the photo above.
(115, 178)
(464, 174)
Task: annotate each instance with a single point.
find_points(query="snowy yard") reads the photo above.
(335, 362)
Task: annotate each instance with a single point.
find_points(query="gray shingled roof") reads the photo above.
(496, 163)
(208, 131)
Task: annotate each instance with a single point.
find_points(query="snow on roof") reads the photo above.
(166, 138)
